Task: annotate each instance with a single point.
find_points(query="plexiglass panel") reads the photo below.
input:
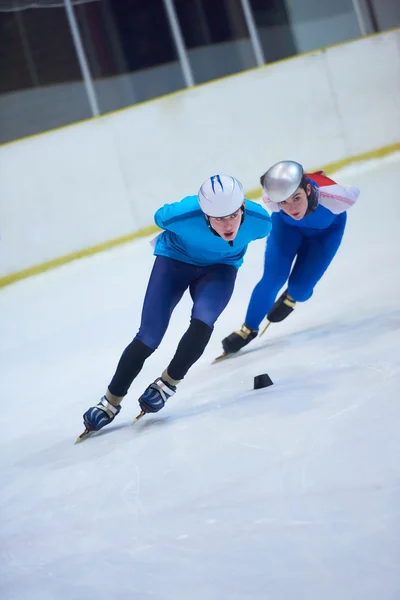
(41, 83)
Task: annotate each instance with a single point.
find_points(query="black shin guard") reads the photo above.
(129, 366)
(190, 348)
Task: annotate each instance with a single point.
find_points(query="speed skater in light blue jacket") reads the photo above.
(186, 236)
(203, 242)
(308, 222)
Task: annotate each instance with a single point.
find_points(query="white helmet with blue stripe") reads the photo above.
(220, 196)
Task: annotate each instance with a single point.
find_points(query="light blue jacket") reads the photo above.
(188, 238)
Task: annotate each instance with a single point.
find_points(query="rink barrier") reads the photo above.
(102, 187)
(67, 258)
(373, 35)
(146, 231)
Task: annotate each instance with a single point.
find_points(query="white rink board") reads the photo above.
(69, 189)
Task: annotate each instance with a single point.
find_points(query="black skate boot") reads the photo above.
(238, 339)
(282, 308)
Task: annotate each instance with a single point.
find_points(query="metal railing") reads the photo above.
(362, 13)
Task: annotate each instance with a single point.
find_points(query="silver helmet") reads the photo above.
(282, 180)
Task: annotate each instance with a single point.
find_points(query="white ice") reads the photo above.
(290, 492)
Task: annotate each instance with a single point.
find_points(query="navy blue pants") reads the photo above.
(312, 251)
(210, 288)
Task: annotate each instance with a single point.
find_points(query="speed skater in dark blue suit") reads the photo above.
(308, 221)
(201, 247)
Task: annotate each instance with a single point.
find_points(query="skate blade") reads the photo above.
(222, 357)
(265, 328)
(87, 433)
(140, 415)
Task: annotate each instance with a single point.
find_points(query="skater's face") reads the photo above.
(297, 204)
(227, 227)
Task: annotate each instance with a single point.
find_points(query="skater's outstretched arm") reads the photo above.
(176, 216)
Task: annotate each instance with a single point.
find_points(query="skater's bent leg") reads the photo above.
(314, 257)
(263, 296)
(189, 350)
(282, 247)
(168, 281)
(129, 366)
(210, 293)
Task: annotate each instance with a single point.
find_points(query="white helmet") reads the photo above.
(282, 180)
(220, 196)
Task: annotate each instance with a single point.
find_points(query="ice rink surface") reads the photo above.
(288, 492)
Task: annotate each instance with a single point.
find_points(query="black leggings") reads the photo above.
(189, 350)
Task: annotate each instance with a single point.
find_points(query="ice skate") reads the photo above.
(236, 341)
(281, 308)
(98, 416)
(155, 396)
